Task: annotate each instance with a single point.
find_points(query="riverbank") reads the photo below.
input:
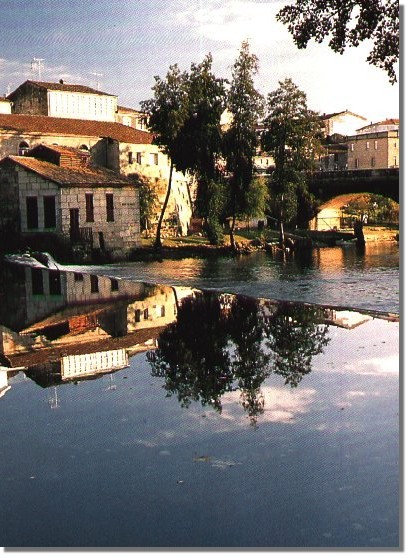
(246, 241)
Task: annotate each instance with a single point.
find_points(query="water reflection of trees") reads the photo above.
(294, 336)
(223, 343)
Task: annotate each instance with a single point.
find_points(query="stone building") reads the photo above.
(56, 190)
(112, 145)
(131, 117)
(374, 150)
(63, 100)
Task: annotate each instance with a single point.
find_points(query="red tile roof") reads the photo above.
(129, 110)
(52, 86)
(386, 122)
(24, 123)
(78, 177)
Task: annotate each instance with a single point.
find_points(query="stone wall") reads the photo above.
(30, 100)
(119, 236)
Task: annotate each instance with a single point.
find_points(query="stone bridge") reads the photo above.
(326, 185)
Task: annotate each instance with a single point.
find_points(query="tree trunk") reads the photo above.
(158, 243)
(231, 232)
(281, 232)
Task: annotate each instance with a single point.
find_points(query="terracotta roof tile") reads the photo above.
(386, 122)
(24, 123)
(84, 176)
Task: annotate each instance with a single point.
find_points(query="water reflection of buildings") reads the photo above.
(64, 326)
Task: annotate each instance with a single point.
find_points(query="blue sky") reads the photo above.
(130, 41)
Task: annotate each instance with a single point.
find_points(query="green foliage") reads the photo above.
(348, 23)
(245, 105)
(201, 138)
(256, 198)
(216, 210)
(148, 199)
(372, 207)
(292, 134)
(184, 116)
(166, 112)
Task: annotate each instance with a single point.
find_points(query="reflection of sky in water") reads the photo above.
(130, 467)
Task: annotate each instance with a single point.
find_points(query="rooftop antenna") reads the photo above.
(97, 79)
(37, 64)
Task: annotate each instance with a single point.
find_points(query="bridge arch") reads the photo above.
(384, 182)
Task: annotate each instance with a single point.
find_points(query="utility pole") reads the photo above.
(97, 79)
(38, 63)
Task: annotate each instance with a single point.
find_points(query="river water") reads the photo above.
(341, 276)
(151, 416)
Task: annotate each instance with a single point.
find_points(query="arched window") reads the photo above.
(84, 147)
(23, 147)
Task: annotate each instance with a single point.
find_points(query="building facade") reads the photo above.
(56, 190)
(63, 100)
(344, 123)
(375, 150)
(112, 145)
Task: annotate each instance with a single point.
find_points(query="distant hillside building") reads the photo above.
(131, 117)
(374, 150)
(344, 123)
(388, 125)
(63, 100)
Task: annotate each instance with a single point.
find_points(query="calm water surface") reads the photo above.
(340, 276)
(227, 421)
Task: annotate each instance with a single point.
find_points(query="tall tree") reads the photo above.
(348, 23)
(245, 104)
(166, 113)
(291, 133)
(201, 132)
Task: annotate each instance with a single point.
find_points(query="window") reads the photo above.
(94, 284)
(138, 314)
(130, 157)
(139, 158)
(109, 208)
(32, 212)
(37, 281)
(23, 147)
(376, 144)
(373, 161)
(356, 163)
(54, 279)
(395, 162)
(163, 311)
(78, 277)
(352, 147)
(367, 145)
(89, 208)
(154, 158)
(114, 284)
(146, 313)
(49, 212)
